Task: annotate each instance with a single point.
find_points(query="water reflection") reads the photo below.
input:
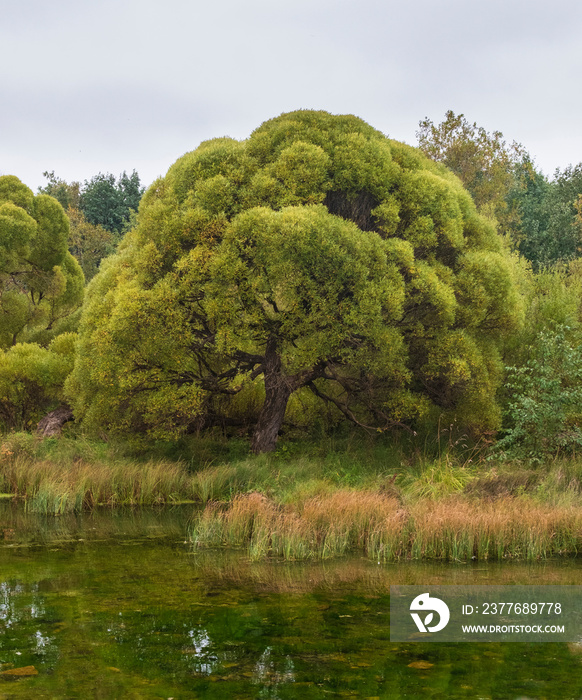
(270, 673)
(42, 643)
(19, 528)
(136, 614)
(202, 659)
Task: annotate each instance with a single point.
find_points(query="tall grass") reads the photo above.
(460, 528)
(454, 528)
(57, 476)
(55, 488)
(320, 527)
(436, 479)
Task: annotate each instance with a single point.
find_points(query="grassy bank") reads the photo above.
(315, 500)
(56, 477)
(73, 474)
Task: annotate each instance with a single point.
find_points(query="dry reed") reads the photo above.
(460, 528)
(329, 525)
(320, 527)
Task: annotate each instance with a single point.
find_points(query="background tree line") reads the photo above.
(51, 244)
(99, 211)
(541, 217)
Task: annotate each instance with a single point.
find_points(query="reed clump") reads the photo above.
(236, 524)
(461, 528)
(330, 525)
(322, 526)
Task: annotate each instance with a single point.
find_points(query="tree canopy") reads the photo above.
(41, 289)
(88, 243)
(103, 200)
(483, 161)
(68, 194)
(99, 212)
(316, 255)
(541, 217)
(41, 283)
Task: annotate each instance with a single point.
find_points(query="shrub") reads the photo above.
(31, 380)
(545, 394)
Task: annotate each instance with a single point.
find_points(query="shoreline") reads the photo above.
(302, 504)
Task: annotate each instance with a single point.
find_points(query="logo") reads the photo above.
(425, 603)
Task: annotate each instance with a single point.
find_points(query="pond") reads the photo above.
(117, 604)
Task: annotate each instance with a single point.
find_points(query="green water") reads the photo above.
(118, 605)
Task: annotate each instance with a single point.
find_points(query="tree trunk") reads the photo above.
(278, 389)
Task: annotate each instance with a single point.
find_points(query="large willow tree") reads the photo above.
(317, 254)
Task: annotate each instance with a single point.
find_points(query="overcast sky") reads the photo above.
(115, 85)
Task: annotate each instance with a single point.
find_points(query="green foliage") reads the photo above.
(31, 380)
(552, 299)
(540, 217)
(107, 202)
(67, 194)
(537, 215)
(317, 254)
(436, 480)
(331, 281)
(540, 395)
(41, 284)
(483, 161)
(99, 212)
(548, 228)
(88, 243)
(41, 288)
(545, 395)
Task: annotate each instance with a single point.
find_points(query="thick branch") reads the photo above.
(390, 423)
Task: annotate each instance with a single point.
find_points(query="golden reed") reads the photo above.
(456, 527)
